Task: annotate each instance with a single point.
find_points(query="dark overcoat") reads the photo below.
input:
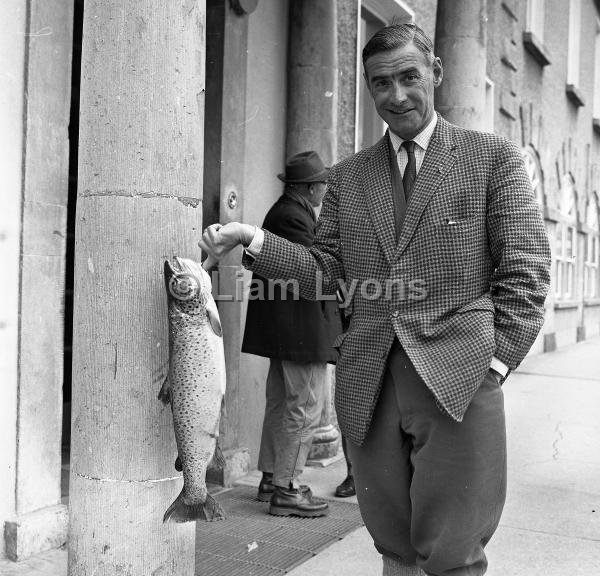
(290, 328)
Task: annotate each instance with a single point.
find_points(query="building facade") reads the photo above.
(127, 128)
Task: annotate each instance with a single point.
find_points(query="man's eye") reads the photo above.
(412, 77)
(382, 83)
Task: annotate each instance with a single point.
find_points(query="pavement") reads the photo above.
(551, 521)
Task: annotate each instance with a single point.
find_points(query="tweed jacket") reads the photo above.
(468, 275)
(283, 327)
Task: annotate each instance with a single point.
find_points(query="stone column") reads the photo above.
(312, 124)
(35, 88)
(12, 59)
(312, 79)
(460, 41)
(139, 202)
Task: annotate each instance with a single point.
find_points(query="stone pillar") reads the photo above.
(35, 93)
(460, 41)
(326, 440)
(12, 88)
(312, 79)
(348, 17)
(139, 202)
(312, 124)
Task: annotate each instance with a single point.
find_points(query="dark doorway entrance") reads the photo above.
(70, 252)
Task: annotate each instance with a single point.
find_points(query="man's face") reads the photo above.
(318, 192)
(401, 82)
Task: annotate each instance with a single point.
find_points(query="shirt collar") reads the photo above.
(421, 139)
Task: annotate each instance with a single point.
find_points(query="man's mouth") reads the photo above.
(401, 112)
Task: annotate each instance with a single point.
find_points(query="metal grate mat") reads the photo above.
(250, 542)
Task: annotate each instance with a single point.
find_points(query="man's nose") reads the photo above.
(398, 95)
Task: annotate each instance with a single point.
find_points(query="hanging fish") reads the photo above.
(195, 385)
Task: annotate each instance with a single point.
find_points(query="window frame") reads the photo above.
(565, 288)
(591, 265)
(536, 18)
(574, 46)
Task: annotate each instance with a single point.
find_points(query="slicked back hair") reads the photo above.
(397, 36)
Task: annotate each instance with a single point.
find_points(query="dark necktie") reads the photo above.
(410, 171)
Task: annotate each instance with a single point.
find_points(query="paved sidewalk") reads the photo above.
(551, 522)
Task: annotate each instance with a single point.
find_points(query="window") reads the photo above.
(591, 278)
(566, 243)
(374, 14)
(596, 112)
(574, 40)
(534, 171)
(535, 18)
(533, 36)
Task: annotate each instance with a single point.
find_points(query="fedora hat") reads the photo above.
(305, 167)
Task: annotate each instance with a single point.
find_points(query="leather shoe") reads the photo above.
(346, 488)
(293, 502)
(266, 488)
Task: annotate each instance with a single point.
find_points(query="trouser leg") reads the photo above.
(304, 385)
(441, 483)
(346, 456)
(272, 422)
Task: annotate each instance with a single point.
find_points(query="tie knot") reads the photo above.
(409, 145)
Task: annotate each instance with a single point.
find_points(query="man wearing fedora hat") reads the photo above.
(297, 335)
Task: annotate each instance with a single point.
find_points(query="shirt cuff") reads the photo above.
(499, 366)
(256, 244)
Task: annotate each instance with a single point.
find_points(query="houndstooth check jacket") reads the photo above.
(466, 280)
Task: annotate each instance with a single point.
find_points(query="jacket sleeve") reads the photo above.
(520, 254)
(316, 269)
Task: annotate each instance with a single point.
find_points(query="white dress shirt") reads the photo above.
(421, 140)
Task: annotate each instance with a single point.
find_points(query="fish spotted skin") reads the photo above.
(195, 385)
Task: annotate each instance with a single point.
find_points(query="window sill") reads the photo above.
(591, 302)
(596, 125)
(552, 214)
(536, 48)
(575, 95)
(566, 305)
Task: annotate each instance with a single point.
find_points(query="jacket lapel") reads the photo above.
(438, 161)
(377, 186)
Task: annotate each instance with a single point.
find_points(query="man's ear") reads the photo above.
(438, 71)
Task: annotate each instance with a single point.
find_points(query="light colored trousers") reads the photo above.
(292, 414)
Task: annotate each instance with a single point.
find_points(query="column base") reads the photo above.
(36, 532)
(237, 464)
(550, 342)
(580, 333)
(326, 443)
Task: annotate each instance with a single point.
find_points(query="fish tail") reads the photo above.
(208, 510)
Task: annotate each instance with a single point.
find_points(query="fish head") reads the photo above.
(188, 285)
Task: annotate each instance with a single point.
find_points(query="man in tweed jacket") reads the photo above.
(446, 277)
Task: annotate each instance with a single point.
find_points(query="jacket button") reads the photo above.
(395, 314)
